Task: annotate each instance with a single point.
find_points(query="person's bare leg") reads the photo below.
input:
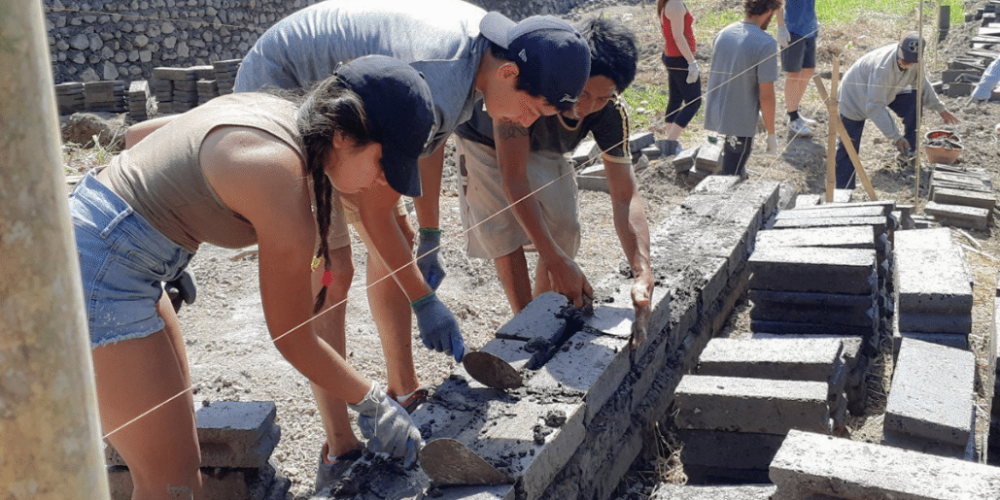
(391, 312)
(331, 326)
(160, 447)
(674, 131)
(512, 270)
(795, 87)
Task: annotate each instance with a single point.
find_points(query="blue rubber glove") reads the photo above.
(438, 328)
(387, 426)
(430, 264)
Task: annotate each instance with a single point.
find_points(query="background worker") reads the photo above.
(741, 84)
(877, 82)
(797, 33)
(522, 70)
(683, 75)
(502, 165)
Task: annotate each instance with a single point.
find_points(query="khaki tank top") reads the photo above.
(162, 179)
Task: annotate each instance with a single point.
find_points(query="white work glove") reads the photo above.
(772, 144)
(387, 426)
(693, 71)
(784, 37)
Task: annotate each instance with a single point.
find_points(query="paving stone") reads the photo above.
(935, 323)
(540, 319)
(835, 210)
(639, 140)
(728, 450)
(845, 316)
(931, 397)
(958, 215)
(684, 160)
(593, 183)
(666, 491)
(832, 237)
(931, 273)
(811, 269)
(967, 198)
(217, 483)
(709, 158)
(751, 405)
(592, 364)
(879, 224)
(955, 340)
(957, 180)
(816, 359)
(961, 452)
(809, 463)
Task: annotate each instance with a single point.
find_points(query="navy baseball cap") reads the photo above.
(910, 47)
(400, 114)
(550, 54)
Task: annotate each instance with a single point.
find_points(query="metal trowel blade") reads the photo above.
(450, 463)
(491, 371)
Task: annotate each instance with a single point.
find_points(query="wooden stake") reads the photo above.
(831, 141)
(844, 138)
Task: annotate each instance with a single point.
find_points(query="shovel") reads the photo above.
(450, 463)
(491, 371)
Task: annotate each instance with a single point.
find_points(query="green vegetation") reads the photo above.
(651, 98)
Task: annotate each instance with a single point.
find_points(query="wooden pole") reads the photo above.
(831, 141)
(50, 441)
(845, 139)
(917, 145)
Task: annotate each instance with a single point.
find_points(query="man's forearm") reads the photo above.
(427, 205)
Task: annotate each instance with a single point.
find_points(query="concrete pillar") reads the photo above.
(49, 426)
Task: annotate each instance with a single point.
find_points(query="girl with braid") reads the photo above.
(242, 169)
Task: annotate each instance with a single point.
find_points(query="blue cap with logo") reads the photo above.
(550, 54)
(400, 112)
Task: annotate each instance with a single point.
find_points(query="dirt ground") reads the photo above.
(231, 354)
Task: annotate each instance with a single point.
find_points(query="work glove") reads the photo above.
(903, 147)
(430, 264)
(183, 289)
(784, 37)
(693, 71)
(438, 328)
(772, 144)
(387, 426)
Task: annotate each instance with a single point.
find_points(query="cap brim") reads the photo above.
(496, 27)
(404, 176)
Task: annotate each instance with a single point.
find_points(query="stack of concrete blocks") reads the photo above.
(814, 466)
(933, 289)
(589, 405)
(236, 439)
(69, 98)
(993, 382)
(961, 197)
(163, 90)
(592, 175)
(734, 411)
(185, 95)
(225, 74)
(695, 164)
(932, 403)
(206, 85)
(138, 100)
(105, 96)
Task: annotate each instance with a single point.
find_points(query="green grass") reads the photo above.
(640, 96)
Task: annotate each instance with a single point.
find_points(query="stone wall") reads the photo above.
(95, 40)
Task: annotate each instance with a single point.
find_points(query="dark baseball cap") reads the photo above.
(550, 54)
(910, 47)
(400, 114)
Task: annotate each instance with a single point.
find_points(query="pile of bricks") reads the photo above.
(138, 100)
(964, 72)
(237, 439)
(225, 74)
(695, 164)
(934, 289)
(961, 197)
(591, 175)
(69, 97)
(105, 96)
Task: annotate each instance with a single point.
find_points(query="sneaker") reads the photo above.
(798, 128)
(327, 474)
(414, 399)
(808, 121)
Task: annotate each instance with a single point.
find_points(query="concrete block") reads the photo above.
(666, 491)
(843, 195)
(958, 215)
(935, 323)
(639, 140)
(586, 151)
(592, 183)
(751, 405)
(709, 158)
(811, 269)
(931, 397)
(921, 445)
(834, 210)
(813, 464)
(542, 318)
(931, 274)
(831, 237)
(978, 199)
(535, 439)
(807, 200)
(717, 184)
(590, 363)
(217, 483)
(789, 327)
(684, 160)
(651, 152)
(879, 223)
(954, 340)
(775, 311)
(607, 477)
(941, 178)
(728, 450)
(496, 492)
(816, 359)
(595, 170)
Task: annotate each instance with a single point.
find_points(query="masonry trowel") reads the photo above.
(448, 462)
(491, 371)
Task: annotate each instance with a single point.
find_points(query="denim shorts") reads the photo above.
(123, 261)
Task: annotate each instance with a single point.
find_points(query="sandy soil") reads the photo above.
(232, 357)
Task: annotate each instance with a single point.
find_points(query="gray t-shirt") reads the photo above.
(743, 57)
(441, 41)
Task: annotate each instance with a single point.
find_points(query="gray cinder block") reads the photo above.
(816, 359)
(542, 318)
(931, 273)
(958, 215)
(811, 269)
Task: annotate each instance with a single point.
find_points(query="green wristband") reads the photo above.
(421, 300)
(430, 230)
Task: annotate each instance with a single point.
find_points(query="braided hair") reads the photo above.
(328, 108)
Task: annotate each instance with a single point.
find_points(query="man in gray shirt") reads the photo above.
(521, 70)
(741, 84)
(877, 82)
